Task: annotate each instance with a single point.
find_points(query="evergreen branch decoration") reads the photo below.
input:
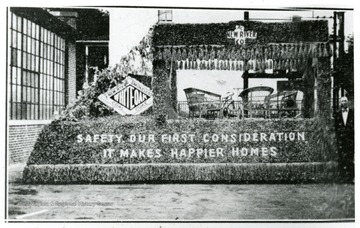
(215, 33)
(137, 61)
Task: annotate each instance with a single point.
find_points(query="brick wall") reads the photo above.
(71, 93)
(21, 140)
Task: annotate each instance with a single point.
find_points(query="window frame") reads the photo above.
(165, 15)
(32, 52)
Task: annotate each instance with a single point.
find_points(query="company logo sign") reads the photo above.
(240, 35)
(129, 97)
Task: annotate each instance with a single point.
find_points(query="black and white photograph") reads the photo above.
(179, 114)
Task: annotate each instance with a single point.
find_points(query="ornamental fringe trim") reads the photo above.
(182, 173)
(274, 56)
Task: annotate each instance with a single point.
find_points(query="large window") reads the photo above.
(37, 75)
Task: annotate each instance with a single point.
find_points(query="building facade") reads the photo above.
(41, 75)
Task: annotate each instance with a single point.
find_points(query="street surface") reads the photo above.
(179, 202)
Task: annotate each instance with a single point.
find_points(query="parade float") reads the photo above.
(128, 127)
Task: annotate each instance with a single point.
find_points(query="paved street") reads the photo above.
(179, 201)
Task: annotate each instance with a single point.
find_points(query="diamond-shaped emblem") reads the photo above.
(130, 97)
(240, 35)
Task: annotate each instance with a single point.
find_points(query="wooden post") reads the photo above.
(246, 85)
(246, 79)
(324, 89)
(86, 82)
(161, 90)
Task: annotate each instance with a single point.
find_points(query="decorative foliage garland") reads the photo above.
(87, 105)
(215, 33)
(275, 56)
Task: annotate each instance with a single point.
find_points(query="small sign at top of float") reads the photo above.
(130, 97)
(239, 35)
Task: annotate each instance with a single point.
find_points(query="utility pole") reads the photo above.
(335, 88)
(341, 43)
(246, 75)
(338, 36)
(246, 15)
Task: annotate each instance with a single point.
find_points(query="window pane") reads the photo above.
(28, 94)
(37, 64)
(26, 80)
(18, 40)
(13, 39)
(18, 111)
(25, 26)
(24, 43)
(34, 96)
(24, 91)
(33, 28)
(19, 23)
(50, 67)
(43, 35)
(41, 65)
(28, 56)
(37, 32)
(13, 111)
(28, 49)
(24, 60)
(13, 75)
(33, 48)
(13, 93)
(14, 21)
(41, 110)
(47, 97)
(28, 28)
(41, 96)
(48, 52)
(32, 62)
(47, 33)
(42, 31)
(28, 112)
(14, 57)
(18, 58)
(41, 81)
(32, 111)
(18, 81)
(37, 47)
(37, 112)
(18, 90)
(47, 110)
(45, 66)
(41, 49)
(36, 77)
